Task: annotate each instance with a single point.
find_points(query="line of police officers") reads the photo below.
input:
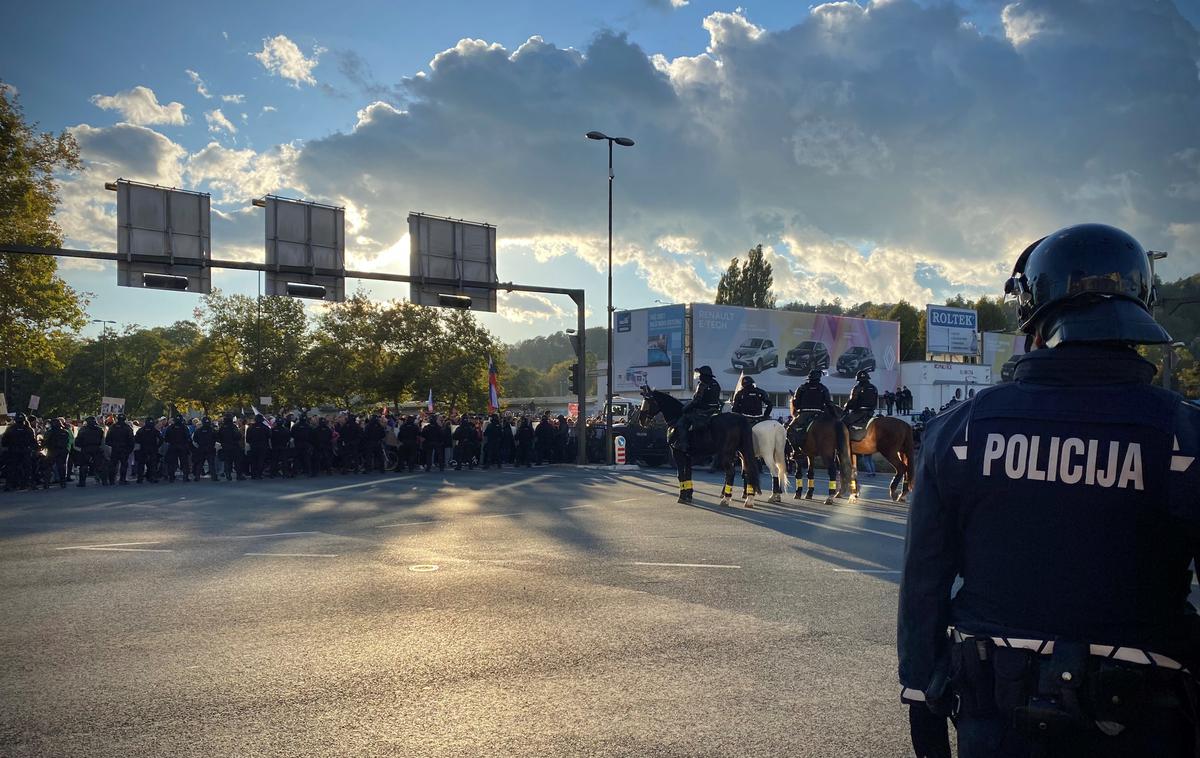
(290, 446)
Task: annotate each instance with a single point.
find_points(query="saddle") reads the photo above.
(857, 424)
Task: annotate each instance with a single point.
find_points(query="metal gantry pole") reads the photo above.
(581, 437)
(608, 327)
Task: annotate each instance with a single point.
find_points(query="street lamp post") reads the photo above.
(104, 355)
(608, 393)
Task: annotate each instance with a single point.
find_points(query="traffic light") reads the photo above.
(573, 378)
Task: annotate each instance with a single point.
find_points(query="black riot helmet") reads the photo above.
(814, 375)
(747, 381)
(228, 418)
(1086, 283)
(863, 376)
(259, 418)
(90, 421)
(206, 421)
(705, 372)
(149, 421)
(120, 418)
(55, 424)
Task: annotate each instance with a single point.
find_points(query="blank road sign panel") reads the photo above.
(455, 251)
(303, 237)
(164, 232)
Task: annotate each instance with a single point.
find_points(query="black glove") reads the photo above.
(930, 732)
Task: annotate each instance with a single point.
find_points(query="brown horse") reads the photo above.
(826, 440)
(893, 439)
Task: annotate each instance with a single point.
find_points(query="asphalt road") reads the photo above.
(553, 611)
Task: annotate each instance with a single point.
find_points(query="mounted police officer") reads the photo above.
(705, 403)
(1066, 502)
(863, 402)
(811, 400)
(752, 401)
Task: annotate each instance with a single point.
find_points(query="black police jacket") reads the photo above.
(205, 438)
(374, 432)
(230, 436)
(177, 436)
(811, 396)
(752, 401)
(350, 433)
(863, 396)
(432, 434)
(19, 439)
(56, 440)
(302, 434)
(1066, 500)
(280, 437)
(88, 437)
(408, 433)
(258, 437)
(148, 438)
(323, 438)
(707, 396)
(120, 436)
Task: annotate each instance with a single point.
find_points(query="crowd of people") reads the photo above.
(44, 452)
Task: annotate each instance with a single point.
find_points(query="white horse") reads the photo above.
(770, 440)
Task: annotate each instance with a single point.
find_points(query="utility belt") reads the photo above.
(1061, 688)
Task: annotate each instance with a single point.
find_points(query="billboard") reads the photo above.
(998, 347)
(462, 251)
(780, 348)
(951, 331)
(304, 235)
(648, 348)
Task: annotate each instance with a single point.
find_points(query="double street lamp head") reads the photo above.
(622, 141)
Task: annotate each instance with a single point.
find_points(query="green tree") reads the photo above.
(36, 306)
(747, 284)
(912, 338)
(268, 338)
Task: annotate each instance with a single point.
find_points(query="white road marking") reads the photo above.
(573, 507)
(686, 565)
(107, 544)
(125, 549)
(313, 493)
(502, 515)
(408, 523)
(865, 571)
(296, 555)
(257, 536)
(523, 482)
(422, 568)
(627, 500)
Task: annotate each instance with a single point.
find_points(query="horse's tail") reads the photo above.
(780, 456)
(842, 440)
(749, 457)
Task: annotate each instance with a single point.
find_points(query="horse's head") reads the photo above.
(649, 407)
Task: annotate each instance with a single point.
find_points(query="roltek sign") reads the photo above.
(951, 330)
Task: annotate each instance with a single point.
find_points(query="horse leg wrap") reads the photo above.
(812, 483)
(775, 484)
(832, 486)
(685, 486)
(727, 490)
(853, 486)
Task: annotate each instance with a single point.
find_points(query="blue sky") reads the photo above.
(881, 150)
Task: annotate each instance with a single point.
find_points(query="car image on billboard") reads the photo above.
(854, 360)
(754, 355)
(806, 356)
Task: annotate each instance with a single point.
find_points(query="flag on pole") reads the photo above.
(493, 387)
(737, 388)
(429, 402)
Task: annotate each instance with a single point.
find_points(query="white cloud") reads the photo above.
(269, 109)
(201, 87)
(9, 89)
(529, 308)
(233, 98)
(238, 175)
(140, 106)
(218, 123)
(281, 56)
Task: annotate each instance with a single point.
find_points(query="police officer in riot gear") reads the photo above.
(57, 442)
(863, 402)
(258, 438)
(811, 399)
(87, 443)
(179, 448)
(233, 447)
(146, 442)
(120, 439)
(205, 441)
(1066, 502)
(752, 401)
(705, 403)
(19, 442)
